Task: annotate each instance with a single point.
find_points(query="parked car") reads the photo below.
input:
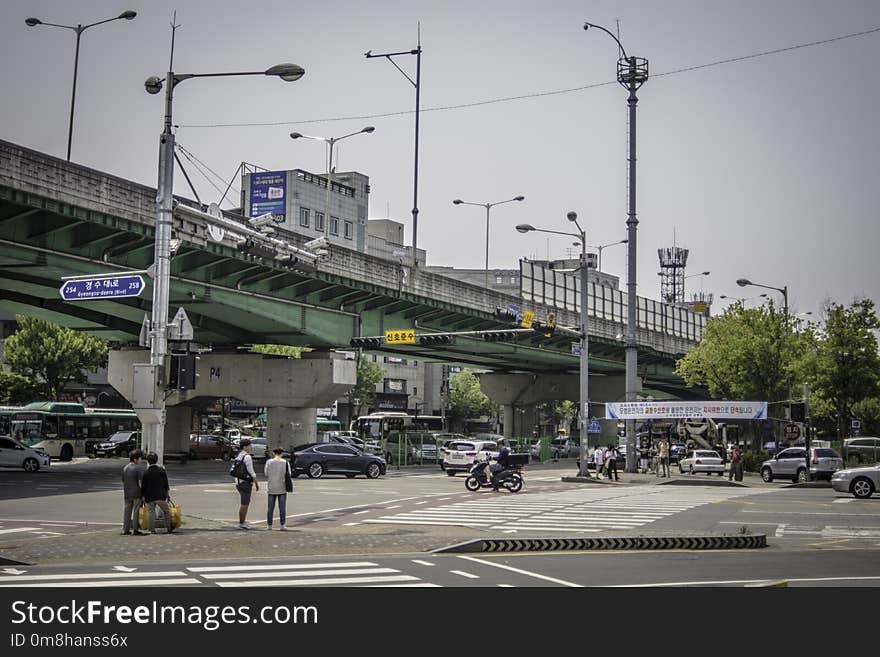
(210, 447)
(121, 443)
(860, 482)
(791, 464)
(461, 454)
(866, 449)
(408, 447)
(443, 439)
(14, 454)
(318, 459)
(677, 452)
(701, 460)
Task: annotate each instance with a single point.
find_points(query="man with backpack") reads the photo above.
(245, 480)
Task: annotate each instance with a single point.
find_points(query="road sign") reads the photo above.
(528, 318)
(594, 426)
(575, 348)
(515, 310)
(792, 432)
(86, 289)
(400, 336)
(856, 424)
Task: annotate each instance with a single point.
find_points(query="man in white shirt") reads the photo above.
(244, 486)
(599, 457)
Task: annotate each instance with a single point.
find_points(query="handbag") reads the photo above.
(176, 515)
(288, 480)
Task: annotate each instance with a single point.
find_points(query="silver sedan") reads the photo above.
(861, 482)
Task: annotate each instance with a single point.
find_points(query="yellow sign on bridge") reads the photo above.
(400, 336)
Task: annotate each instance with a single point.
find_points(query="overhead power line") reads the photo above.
(538, 94)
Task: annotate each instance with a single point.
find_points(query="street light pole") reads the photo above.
(79, 29)
(605, 246)
(417, 83)
(632, 73)
(330, 141)
(584, 388)
(488, 207)
(154, 431)
(702, 273)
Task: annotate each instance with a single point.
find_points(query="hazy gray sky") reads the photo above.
(764, 168)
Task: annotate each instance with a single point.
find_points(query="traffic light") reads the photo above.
(505, 315)
(366, 343)
(437, 338)
(183, 373)
(499, 336)
(797, 412)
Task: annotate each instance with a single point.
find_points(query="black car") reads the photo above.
(121, 443)
(317, 459)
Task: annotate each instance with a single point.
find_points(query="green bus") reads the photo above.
(65, 430)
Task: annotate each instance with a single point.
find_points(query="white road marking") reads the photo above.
(145, 582)
(332, 581)
(522, 572)
(19, 529)
(84, 576)
(357, 513)
(227, 569)
(464, 574)
(317, 572)
(423, 563)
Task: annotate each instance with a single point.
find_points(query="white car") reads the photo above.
(460, 455)
(701, 460)
(14, 454)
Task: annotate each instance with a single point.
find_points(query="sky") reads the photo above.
(764, 168)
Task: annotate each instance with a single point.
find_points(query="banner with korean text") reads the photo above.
(722, 410)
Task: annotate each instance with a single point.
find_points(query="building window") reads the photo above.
(349, 230)
(499, 280)
(512, 278)
(395, 386)
(334, 225)
(304, 217)
(319, 221)
(415, 391)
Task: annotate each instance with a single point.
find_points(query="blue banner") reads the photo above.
(269, 194)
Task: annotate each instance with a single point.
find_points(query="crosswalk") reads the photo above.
(341, 573)
(580, 511)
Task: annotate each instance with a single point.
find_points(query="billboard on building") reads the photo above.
(268, 193)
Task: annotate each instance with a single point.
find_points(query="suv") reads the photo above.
(866, 449)
(121, 443)
(791, 463)
(460, 455)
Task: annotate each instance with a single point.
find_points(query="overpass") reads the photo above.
(58, 218)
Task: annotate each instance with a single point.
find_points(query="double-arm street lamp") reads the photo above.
(488, 207)
(79, 29)
(632, 73)
(702, 273)
(605, 246)
(330, 141)
(154, 431)
(584, 410)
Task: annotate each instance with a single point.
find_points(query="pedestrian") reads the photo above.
(155, 491)
(277, 470)
(644, 453)
(663, 455)
(736, 464)
(246, 485)
(611, 455)
(132, 475)
(599, 457)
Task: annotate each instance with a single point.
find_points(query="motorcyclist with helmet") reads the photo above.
(502, 462)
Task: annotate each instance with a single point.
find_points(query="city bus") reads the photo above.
(65, 430)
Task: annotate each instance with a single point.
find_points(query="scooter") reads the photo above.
(511, 479)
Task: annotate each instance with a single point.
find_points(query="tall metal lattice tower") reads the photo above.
(672, 263)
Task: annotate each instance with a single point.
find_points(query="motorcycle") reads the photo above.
(511, 478)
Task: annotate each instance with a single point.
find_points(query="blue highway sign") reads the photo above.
(110, 287)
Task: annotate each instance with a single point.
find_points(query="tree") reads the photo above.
(277, 350)
(466, 398)
(561, 412)
(844, 370)
(16, 389)
(52, 354)
(745, 354)
(369, 375)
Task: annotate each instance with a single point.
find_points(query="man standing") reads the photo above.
(736, 464)
(277, 470)
(611, 455)
(132, 474)
(663, 455)
(246, 485)
(599, 458)
(155, 489)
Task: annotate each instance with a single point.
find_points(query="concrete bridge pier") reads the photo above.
(292, 390)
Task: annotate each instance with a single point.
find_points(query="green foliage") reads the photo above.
(466, 398)
(752, 460)
(16, 389)
(868, 412)
(277, 350)
(42, 351)
(369, 375)
(745, 354)
(844, 368)
(560, 412)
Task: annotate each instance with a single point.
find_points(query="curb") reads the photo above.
(587, 480)
(621, 543)
(702, 482)
(810, 484)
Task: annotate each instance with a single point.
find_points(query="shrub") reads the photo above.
(752, 460)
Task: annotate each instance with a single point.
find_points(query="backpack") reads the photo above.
(239, 469)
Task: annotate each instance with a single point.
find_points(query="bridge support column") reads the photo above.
(178, 426)
(290, 427)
